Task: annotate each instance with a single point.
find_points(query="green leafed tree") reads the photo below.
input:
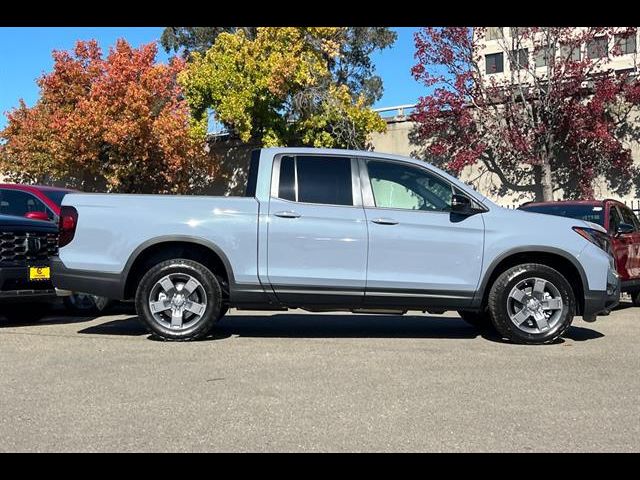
(286, 86)
(353, 67)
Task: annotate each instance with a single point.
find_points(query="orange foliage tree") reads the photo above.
(118, 123)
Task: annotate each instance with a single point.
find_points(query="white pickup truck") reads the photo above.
(326, 230)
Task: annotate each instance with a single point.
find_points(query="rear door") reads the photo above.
(420, 254)
(317, 232)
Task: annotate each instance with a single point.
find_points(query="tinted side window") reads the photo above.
(252, 179)
(629, 217)
(287, 187)
(614, 219)
(15, 202)
(396, 185)
(324, 180)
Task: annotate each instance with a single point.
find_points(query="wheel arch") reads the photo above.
(163, 248)
(555, 258)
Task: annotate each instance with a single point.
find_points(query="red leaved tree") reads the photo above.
(117, 123)
(548, 114)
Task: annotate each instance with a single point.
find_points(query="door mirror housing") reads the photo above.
(461, 204)
(624, 228)
(37, 216)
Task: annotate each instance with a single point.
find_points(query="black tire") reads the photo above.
(479, 320)
(84, 304)
(194, 329)
(635, 298)
(498, 304)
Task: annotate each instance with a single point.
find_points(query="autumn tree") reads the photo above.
(278, 89)
(557, 118)
(118, 123)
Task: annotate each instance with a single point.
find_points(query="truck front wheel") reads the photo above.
(532, 304)
(179, 299)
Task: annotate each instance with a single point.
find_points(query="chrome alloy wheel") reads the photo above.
(535, 305)
(177, 301)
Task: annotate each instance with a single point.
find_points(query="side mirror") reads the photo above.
(460, 204)
(37, 216)
(624, 228)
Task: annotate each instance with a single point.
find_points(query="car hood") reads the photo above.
(544, 220)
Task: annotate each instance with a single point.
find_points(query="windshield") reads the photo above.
(55, 196)
(590, 213)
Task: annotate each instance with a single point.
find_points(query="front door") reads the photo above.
(626, 246)
(420, 254)
(317, 232)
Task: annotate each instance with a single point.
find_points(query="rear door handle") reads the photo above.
(287, 214)
(385, 221)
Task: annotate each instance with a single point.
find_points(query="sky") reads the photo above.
(25, 54)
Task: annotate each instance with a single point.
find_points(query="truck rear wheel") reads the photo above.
(179, 299)
(531, 304)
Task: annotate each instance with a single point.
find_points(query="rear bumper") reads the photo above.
(15, 286)
(597, 301)
(109, 285)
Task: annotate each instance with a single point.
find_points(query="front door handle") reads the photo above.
(287, 214)
(385, 221)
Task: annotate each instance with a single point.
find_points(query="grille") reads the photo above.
(27, 246)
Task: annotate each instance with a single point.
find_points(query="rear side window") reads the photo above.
(252, 179)
(315, 179)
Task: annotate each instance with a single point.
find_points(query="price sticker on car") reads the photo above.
(39, 273)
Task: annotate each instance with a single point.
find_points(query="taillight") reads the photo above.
(67, 225)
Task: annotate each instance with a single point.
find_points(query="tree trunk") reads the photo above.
(546, 182)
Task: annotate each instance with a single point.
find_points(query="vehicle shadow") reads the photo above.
(333, 326)
(312, 326)
(44, 315)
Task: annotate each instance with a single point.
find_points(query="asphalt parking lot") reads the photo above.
(294, 381)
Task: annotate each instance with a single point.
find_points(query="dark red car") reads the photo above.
(40, 202)
(620, 222)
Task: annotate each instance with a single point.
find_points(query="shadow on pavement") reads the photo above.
(333, 326)
(623, 305)
(580, 334)
(34, 315)
(125, 326)
(312, 326)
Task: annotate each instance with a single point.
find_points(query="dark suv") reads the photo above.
(25, 249)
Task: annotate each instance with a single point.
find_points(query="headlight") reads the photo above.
(596, 237)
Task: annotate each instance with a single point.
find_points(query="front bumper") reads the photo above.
(597, 302)
(15, 285)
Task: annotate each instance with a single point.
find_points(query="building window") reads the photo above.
(625, 43)
(519, 58)
(541, 56)
(494, 33)
(597, 48)
(570, 52)
(494, 62)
